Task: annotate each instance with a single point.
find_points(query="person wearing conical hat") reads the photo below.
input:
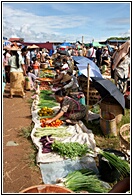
(17, 73)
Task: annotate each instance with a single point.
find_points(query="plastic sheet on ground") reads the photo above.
(52, 171)
(52, 165)
(93, 116)
(77, 135)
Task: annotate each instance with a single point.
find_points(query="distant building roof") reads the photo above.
(47, 45)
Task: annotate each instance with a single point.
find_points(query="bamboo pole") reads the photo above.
(88, 89)
(82, 44)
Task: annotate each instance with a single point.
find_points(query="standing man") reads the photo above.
(98, 56)
(91, 53)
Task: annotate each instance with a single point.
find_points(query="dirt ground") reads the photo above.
(17, 171)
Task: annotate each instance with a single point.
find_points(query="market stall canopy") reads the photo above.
(82, 63)
(106, 87)
(67, 44)
(96, 44)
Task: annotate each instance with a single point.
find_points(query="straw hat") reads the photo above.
(105, 48)
(116, 48)
(7, 47)
(66, 78)
(33, 46)
(107, 61)
(15, 48)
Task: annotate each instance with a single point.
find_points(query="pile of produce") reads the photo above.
(84, 180)
(44, 86)
(55, 123)
(47, 74)
(46, 100)
(45, 111)
(56, 132)
(46, 143)
(70, 149)
(122, 166)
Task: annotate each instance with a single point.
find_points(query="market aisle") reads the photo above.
(17, 173)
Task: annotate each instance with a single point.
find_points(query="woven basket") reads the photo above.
(125, 136)
(46, 188)
(44, 65)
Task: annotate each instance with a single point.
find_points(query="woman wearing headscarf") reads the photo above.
(69, 108)
(121, 66)
(17, 72)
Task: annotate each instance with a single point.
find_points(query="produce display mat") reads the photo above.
(51, 164)
(52, 171)
(77, 135)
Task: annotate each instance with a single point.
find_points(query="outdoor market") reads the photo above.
(77, 92)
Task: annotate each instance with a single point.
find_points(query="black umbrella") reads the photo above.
(106, 87)
(63, 52)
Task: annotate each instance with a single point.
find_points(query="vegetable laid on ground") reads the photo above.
(70, 149)
(46, 143)
(45, 111)
(122, 166)
(78, 181)
(54, 131)
(55, 123)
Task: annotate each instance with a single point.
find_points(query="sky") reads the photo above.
(66, 21)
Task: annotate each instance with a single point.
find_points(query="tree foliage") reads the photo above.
(119, 38)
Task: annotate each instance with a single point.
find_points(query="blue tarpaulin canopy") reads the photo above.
(82, 63)
(66, 44)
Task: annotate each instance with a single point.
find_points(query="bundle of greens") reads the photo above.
(84, 181)
(57, 132)
(122, 166)
(46, 100)
(46, 75)
(70, 149)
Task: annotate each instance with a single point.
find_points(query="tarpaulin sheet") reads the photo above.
(52, 171)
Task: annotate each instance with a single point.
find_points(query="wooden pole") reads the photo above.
(88, 89)
(82, 44)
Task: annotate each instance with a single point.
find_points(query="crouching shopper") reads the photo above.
(69, 82)
(69, 108)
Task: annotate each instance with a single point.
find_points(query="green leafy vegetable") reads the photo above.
(84, 181)
(57, 132)
(122, 166)
(70, 149)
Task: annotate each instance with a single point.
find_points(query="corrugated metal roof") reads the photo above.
(48, 45)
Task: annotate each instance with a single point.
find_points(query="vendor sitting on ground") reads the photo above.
(59, 75)
(69, 82)
(64, 66)
(69, 108)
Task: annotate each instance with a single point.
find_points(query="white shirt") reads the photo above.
(64, 68)
(12, 64)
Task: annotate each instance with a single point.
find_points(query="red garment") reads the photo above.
(35, 66)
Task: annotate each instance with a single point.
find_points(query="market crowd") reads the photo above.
(19, 61)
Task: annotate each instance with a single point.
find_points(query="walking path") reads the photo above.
(17, 173)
